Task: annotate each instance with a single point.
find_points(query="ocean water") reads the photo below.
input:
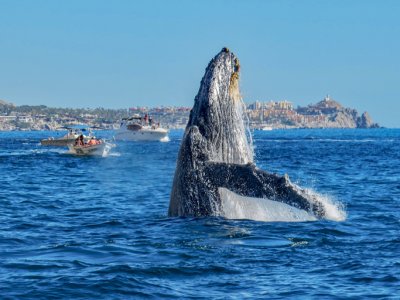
(97, 227)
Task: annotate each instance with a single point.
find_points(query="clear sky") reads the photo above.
(118, 54)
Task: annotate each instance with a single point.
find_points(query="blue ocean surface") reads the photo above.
(97, 227)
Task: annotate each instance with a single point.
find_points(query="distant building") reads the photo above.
(278, 105)
(284, 105)
(254, 106)
(7, 118)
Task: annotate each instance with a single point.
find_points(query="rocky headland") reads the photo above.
(337, 116)
(327, 113)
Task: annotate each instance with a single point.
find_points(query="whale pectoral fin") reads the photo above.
(234, 206)
(247, 180)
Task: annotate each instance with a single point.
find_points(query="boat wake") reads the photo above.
(235, 206)
(30, 152)
(114, 154)
(165, 139)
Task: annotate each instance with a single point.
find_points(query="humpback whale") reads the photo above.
(216, 152)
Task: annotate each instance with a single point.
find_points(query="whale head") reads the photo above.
(217, 117)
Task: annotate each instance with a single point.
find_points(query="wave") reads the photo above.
(115, 154)
(31, 152)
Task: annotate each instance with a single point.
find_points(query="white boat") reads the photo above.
(137, 128)
(101, 148)
(68, 139)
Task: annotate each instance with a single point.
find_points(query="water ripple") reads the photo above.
(87, 228)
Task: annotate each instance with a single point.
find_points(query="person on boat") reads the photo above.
(81, 141)
(92, 141)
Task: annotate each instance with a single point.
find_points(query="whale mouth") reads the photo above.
(234, 206)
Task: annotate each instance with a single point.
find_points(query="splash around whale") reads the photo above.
(215, 173)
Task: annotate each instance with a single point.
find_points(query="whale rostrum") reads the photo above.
(216, 151)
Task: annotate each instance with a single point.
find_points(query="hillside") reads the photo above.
(326, 113)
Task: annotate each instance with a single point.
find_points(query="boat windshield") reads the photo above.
(136, 123)
(134, 127)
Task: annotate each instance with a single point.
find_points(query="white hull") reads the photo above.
(142, 135)
(64, 141)
(58, 142)
(100, 149)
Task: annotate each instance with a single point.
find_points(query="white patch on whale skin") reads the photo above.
(235, 206)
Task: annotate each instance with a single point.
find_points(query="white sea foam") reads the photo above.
(31, 151)
(334, 210)
(116, 154)
(235, 206)
(165, 139)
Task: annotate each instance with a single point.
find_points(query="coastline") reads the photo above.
(271, 115)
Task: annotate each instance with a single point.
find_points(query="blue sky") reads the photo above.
(118, 54)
